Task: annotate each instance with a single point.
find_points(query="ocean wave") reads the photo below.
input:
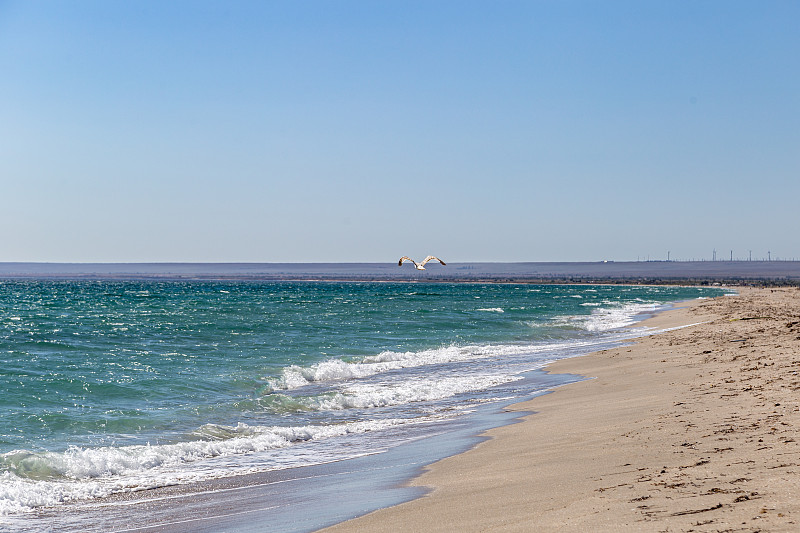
(294, 376)
(369, 395)
(331, 370)
(492, 309)
(29, 480)
(608, 318)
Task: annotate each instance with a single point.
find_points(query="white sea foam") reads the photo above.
(492, 309)
(34, 480)
(609, 318)
(295, 376)
(368, 395)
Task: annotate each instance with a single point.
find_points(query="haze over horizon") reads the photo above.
(357, 131)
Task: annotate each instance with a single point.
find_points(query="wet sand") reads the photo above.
(694, 429)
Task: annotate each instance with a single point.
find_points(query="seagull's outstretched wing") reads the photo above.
(406, 258)
(432, 258)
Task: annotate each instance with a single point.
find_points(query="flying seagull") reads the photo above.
(419, 266)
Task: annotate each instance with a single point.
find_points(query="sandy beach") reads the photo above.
(693, 429)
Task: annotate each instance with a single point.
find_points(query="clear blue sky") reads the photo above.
(362, 131)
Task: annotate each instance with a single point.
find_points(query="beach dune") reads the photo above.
(693, 429)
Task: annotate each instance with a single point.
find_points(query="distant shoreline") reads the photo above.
(760, 273)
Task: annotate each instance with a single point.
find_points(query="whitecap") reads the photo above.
(608, 318)
(368, 395)
(32, 480)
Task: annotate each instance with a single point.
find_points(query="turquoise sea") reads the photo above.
(111, 387)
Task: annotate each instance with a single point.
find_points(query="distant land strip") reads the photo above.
(762, 273)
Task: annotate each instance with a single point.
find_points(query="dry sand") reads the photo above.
(694, 429)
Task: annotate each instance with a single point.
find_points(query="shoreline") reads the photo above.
(294, 499)
(417, 477)
(691, 430)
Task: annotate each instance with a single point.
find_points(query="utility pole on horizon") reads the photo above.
(731, 255)
(750, 257)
